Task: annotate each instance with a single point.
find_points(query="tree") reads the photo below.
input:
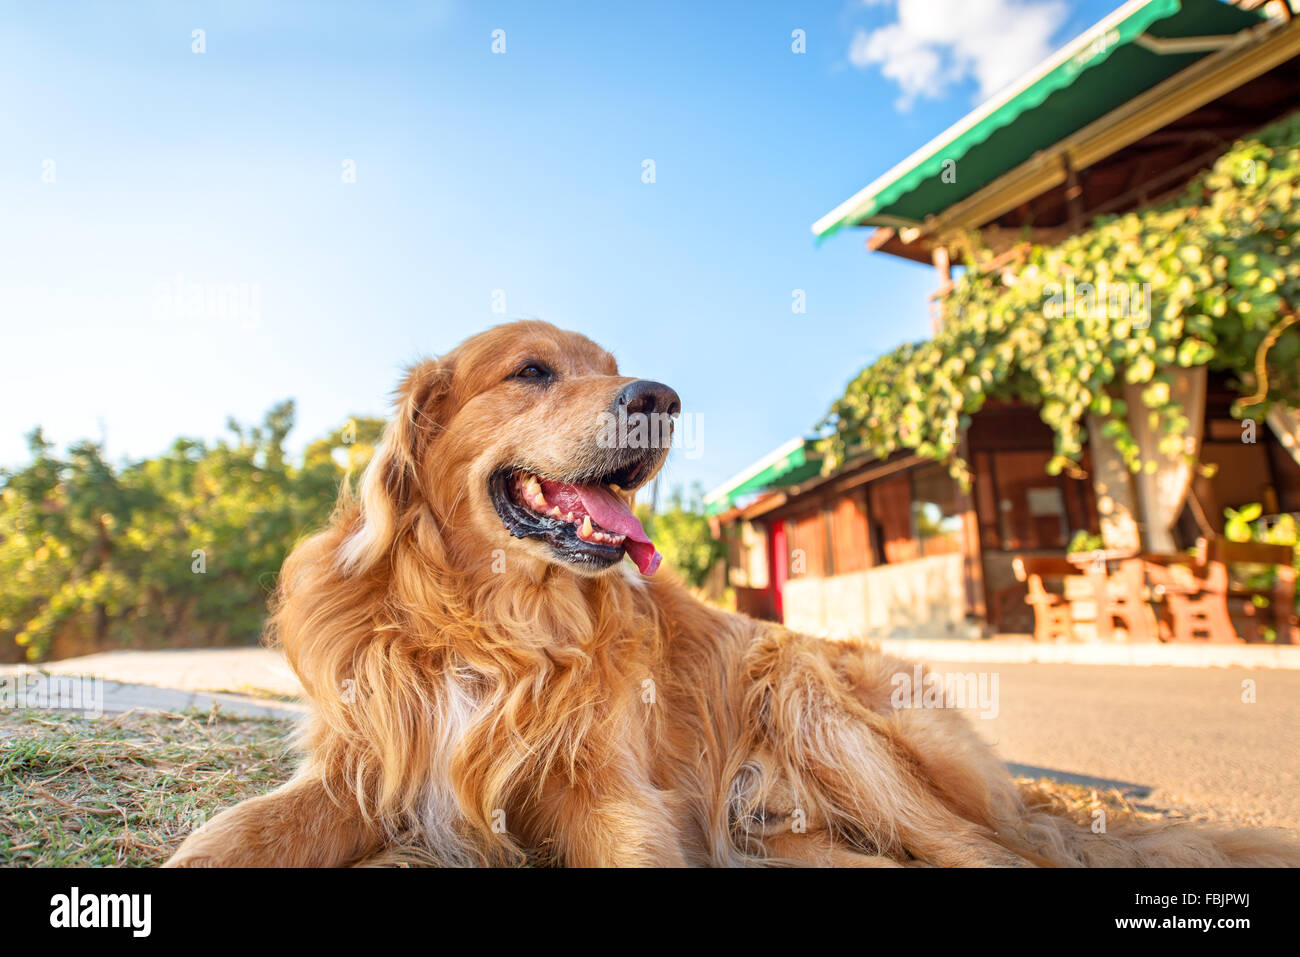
(681, 533)
(190, 541)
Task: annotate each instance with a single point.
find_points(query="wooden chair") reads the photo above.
(1195, 598)
(1281, 611)
(1053, 620)
(1122, 596)
(1011, 613)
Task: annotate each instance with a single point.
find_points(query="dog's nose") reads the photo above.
(648, 398)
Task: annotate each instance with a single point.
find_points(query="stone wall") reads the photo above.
(917, 599)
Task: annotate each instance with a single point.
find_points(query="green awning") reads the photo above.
(1100, 70)
(795, 462)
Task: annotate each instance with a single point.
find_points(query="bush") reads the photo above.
(190, 541)
(681, 533)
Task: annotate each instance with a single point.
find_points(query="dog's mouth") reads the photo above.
(584, 523)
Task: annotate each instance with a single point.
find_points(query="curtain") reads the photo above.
(1285, 424)
(1116, 508)
(1161, 494)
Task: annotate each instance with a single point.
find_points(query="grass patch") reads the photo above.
(126, 790)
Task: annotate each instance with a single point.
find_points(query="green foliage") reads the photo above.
(1238, 527)
(1222, 270)
(681, 533)
(1085, 542)
(1245, 525)
(189, 541)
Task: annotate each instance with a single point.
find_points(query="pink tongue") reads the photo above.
(612, 514)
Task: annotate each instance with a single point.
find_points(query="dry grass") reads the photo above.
(81, 792)
(125, 791)
(1077, 802)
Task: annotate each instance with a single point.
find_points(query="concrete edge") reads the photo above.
(95, 697)
(1286, 657)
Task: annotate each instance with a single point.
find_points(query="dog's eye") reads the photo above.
(532, 370)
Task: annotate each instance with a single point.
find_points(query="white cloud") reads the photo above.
(937, 43)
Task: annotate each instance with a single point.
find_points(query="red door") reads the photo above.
(778, 562)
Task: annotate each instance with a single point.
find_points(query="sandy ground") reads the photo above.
(1172, 737)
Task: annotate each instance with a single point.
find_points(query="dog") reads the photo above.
(494, 683)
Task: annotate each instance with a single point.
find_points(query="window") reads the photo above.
(915, 515)
(1022, 508)
(889, 502)
(936, 511)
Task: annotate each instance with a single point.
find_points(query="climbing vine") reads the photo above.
(1209, 279)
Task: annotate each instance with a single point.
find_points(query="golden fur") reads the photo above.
(477, 701)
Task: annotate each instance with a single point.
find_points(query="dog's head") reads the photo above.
(523, 438)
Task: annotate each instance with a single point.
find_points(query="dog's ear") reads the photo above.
(391, 482)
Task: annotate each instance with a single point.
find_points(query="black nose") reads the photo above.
(648, 398)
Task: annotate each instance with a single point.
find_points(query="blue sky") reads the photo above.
(131, 160)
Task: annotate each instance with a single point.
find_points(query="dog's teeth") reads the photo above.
(529, 490)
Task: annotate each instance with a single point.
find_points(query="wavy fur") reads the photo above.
(477, 701)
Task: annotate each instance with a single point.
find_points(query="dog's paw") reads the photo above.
(200, 850)
(184, 857)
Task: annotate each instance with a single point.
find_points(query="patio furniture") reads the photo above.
(1281, 611)
(1122, 596)
(1053, 620)
(1194, 597)
(1010, 612)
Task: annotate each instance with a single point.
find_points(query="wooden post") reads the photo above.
(972, 559)
(1073, 193)
(939, 255)
(943, 264)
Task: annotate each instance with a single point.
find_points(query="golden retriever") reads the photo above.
(493, 684)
